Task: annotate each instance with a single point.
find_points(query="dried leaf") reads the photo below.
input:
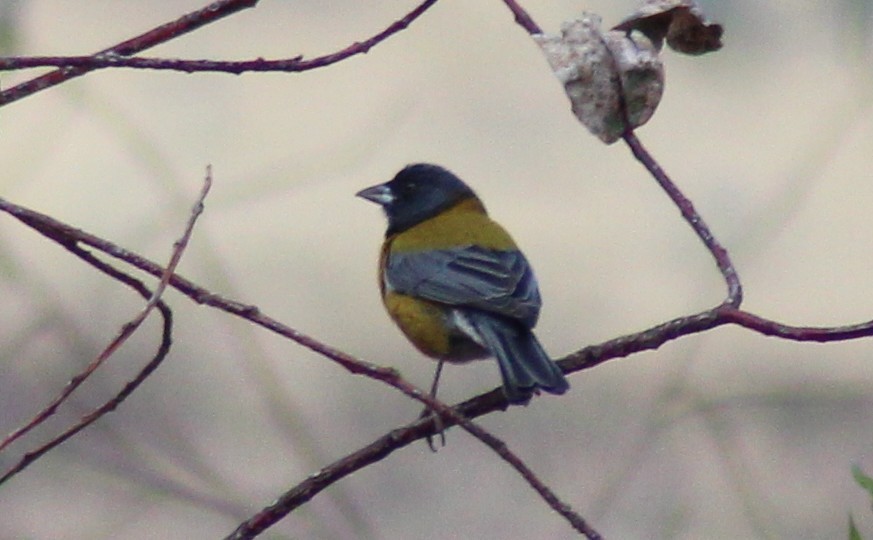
(642, 75)
(680, 22)
(605, 74)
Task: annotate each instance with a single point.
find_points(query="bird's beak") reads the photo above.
(380, 194)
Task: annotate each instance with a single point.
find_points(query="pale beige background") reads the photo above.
(723, 435)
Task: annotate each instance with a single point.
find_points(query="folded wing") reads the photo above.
(494, 281)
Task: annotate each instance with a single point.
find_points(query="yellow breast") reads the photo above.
(464, 224)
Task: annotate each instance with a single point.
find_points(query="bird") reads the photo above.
(456, 284)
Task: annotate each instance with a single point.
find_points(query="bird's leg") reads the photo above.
(437, 419)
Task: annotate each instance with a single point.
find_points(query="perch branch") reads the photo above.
(71, 237)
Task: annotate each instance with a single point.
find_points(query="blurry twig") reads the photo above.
(728, 312)
(154, 301)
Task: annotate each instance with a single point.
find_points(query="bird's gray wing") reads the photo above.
(494, 281)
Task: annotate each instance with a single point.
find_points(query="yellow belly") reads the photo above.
(429, 327)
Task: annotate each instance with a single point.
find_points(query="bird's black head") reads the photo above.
(417, 193)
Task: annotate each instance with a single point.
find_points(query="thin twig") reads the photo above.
(111, 59)
(65, 234)
(165, 32)
(154, 300)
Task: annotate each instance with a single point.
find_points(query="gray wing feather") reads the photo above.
(500, 282)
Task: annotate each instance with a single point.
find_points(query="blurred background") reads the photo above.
(727, 434)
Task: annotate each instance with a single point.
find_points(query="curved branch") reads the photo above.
(689, 213)
(494, 400)
(378, 450)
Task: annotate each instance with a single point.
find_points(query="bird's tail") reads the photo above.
(524, 364)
